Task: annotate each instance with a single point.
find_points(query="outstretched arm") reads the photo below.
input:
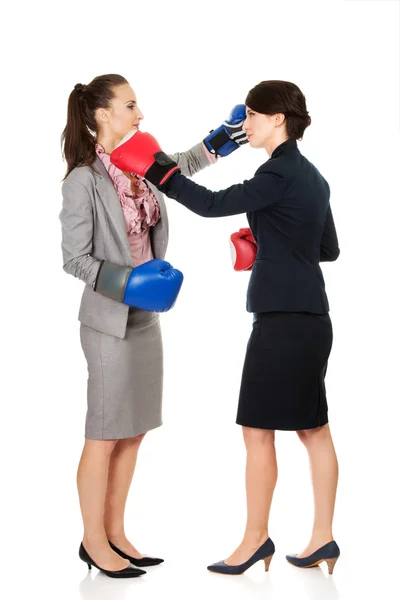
(140, 152)
(264, 189)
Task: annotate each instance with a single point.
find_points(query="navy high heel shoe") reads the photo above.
(265, 553)
(146, 561)
(328, 553)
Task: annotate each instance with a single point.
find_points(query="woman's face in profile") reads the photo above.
(124, 113)
(259, 128)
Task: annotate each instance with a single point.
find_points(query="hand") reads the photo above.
(141, 153)
(243, 249)
(230, 135)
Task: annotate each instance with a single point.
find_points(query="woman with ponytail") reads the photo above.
(115, 235)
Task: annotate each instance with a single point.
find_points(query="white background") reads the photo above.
(189, 64)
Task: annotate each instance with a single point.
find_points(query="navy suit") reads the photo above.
(289, 214)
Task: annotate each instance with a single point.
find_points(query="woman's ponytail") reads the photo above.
(78, 140)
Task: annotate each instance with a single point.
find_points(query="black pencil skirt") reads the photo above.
(284, 370)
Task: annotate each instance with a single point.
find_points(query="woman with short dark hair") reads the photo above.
(288, 208)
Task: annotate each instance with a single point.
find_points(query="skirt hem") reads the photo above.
(277, 428)
(123, 437)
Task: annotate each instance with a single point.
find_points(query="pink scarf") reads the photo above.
(140, 209)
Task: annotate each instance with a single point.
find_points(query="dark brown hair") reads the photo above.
(274, 96)
(78, 139)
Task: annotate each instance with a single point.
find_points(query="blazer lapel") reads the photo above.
(110, 199)
(159, 233)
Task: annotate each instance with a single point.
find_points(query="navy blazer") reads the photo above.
(289, 214)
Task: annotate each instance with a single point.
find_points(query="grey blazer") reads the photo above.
(94, 229)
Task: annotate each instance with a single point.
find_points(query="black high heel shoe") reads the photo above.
(123, 573)
(264, 552)
(146, 561)
(328, 553)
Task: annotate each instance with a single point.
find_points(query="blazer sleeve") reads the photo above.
(329, 247)
(194, 160)
(263, 190)
(76, 219)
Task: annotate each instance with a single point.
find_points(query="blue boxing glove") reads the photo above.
(153, 286)
(230, 135)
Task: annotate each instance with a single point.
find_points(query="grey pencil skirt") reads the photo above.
(125, 378)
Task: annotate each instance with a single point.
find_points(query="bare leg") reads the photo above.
(261, 477)
(324, 475)
(122, 467)
(92, 485)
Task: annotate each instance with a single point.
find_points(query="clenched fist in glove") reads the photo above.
(152, 286)
(243, 249)
(140, 153)
(230, 135)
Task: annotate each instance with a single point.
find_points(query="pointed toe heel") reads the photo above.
(328, 553)
(264, 552)
(126, 573)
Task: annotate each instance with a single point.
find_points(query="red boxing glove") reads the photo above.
(243, 249)
(140, 153)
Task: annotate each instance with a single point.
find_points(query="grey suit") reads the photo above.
(93, 228)
(122, 345)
